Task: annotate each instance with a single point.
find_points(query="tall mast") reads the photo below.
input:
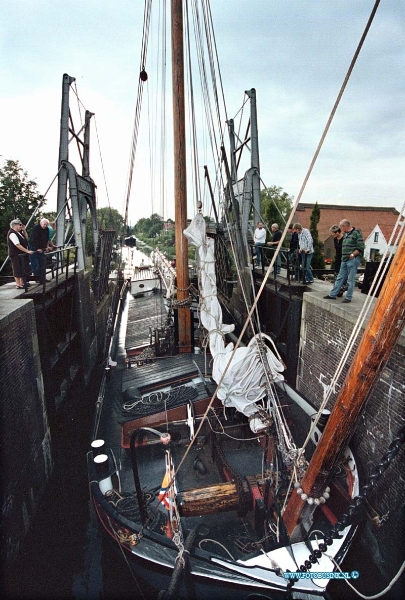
(180, 175)
(380, 336)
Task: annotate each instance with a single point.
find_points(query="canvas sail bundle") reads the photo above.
(243, 383)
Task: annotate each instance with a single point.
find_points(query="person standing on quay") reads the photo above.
(352, 251)
(259, 240)
(17, 241)
(338, 243)
(275, 240)
(52, 230)
(293, 253)
(306, 250)
(38, 242)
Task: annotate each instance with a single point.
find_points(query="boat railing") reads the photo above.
(115, 311)
(166, 268)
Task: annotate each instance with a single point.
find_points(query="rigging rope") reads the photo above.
(79, 103)
(141, 81)
(209, 34)
(210, 27)
(193, 133)
(356, 505)
(288, 447)
(253, 308)
(335, 106)
(374, 596)
(318, 149)
(163, 201)
(205, 72)
(102, 168)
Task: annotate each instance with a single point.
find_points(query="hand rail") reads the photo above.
(289, 260)
(61, 260)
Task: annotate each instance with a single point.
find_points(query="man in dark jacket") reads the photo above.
(293, 255)
(275, 240)
(338, 243)
(352, 251)
(38, 242)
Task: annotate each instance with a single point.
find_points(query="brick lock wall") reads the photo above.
(26, 460)
(324, 336)
(26, 454)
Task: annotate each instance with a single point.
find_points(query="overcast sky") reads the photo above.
(296, 54)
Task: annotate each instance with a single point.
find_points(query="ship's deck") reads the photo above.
(138, 318)
(143, 314)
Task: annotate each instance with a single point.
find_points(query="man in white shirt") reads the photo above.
(259, 240)
(17, 240)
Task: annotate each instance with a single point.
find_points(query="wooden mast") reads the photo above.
(180, 179)
(381, 334)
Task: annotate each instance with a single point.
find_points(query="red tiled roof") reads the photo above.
(364, 218)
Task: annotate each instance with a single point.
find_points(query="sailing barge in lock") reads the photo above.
(212, 475)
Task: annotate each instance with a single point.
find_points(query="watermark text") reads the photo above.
(323, 575)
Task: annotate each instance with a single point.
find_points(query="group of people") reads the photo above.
(349, 247)
(301, 247)
(28, 255)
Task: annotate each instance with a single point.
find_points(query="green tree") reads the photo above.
(155, 230)
(51, 215)
(151, 231)
(169, 237)
(107, 218)
(19, 197)
(149, 227)
(166, 243)
(318, 261)
(110, 218)
(141, 226)
(276, 206)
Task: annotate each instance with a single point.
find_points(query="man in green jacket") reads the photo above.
(352, 251)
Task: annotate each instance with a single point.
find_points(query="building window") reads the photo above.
(376, 234)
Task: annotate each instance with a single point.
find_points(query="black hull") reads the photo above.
(228, 558)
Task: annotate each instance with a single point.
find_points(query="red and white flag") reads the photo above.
(165, 494)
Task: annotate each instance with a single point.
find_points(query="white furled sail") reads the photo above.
(244, 383)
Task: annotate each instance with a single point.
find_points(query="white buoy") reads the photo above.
(101, 462)
(98, 447)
